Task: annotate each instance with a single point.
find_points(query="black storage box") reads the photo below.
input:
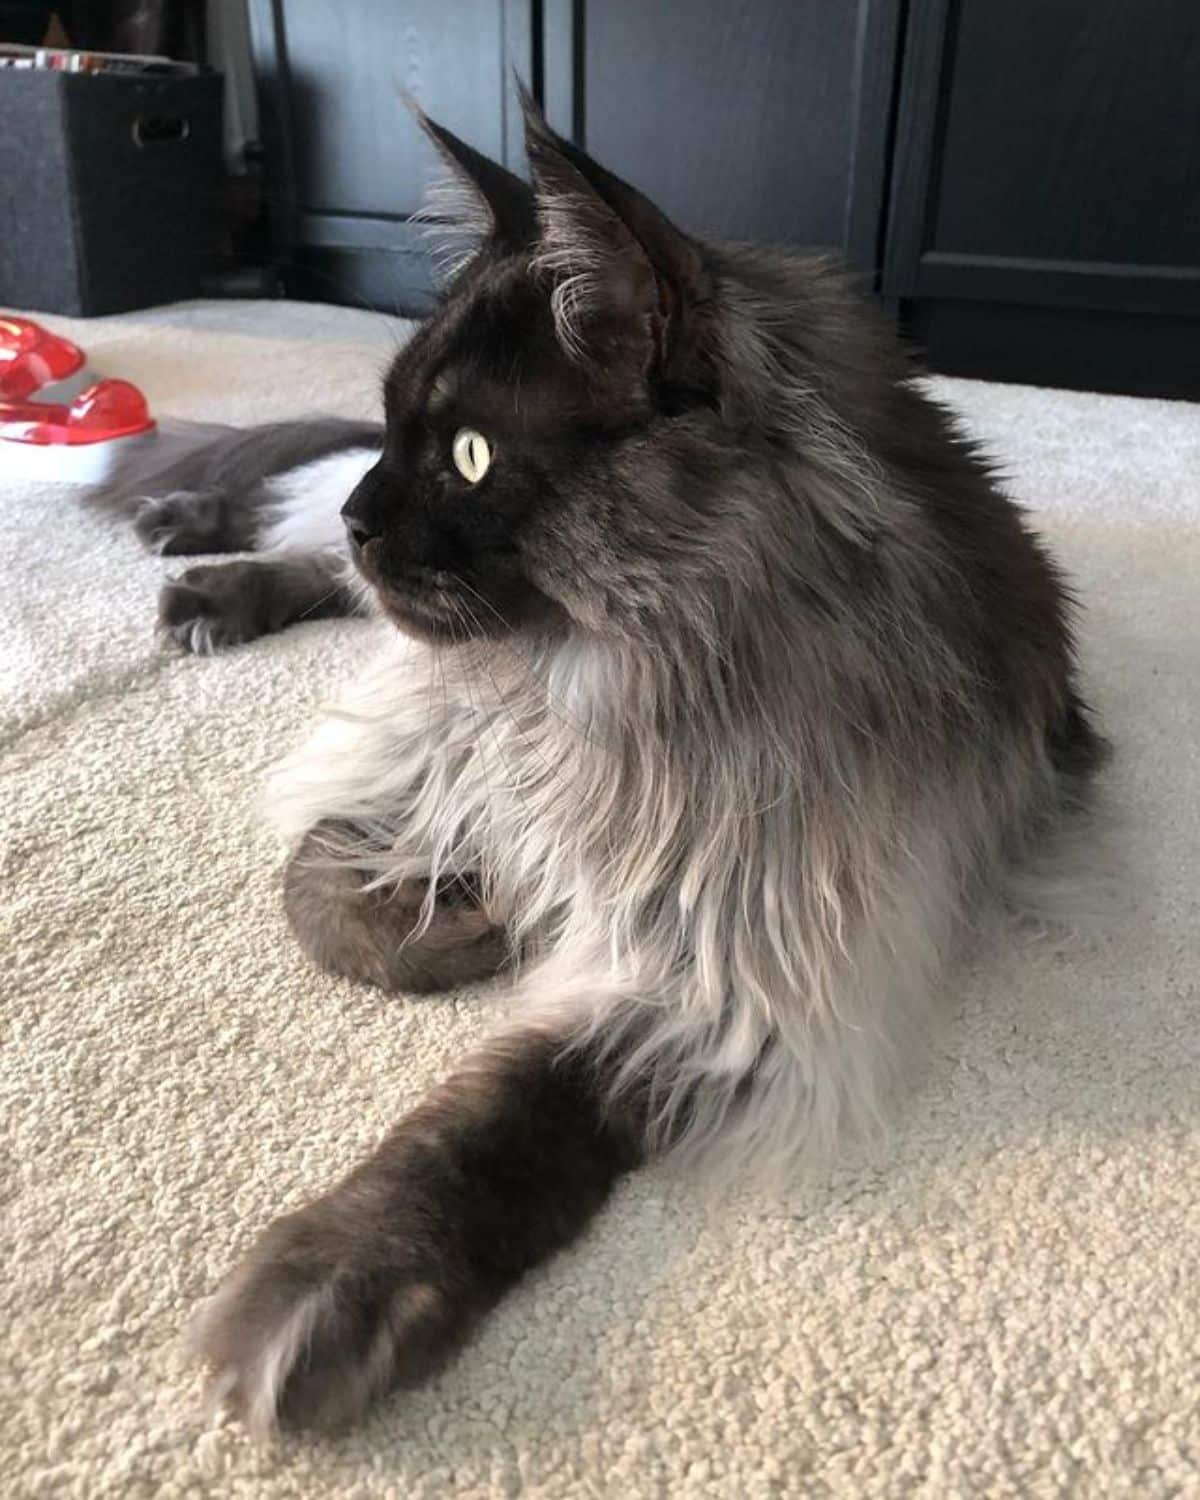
(111, 188)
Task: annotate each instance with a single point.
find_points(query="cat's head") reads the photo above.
(545, 457)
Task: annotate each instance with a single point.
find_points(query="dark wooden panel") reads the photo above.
(1072, 132)
(1173, 290)
(1002, 161)
(272, 86)
(874, 87)
(388, 281)
(1126, 353)
(736, 118)
(364, 231)
(559, 41)
(923, 85)
(1044, 218)
(356, 149)
(763, 119)
(348, 165)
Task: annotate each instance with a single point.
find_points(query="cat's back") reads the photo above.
(931, 531)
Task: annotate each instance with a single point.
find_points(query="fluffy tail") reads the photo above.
(1068, 878)
(205, 456)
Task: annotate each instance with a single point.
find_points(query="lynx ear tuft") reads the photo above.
(619, 267)
(475, 200)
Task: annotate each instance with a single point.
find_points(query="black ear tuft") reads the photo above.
(614, 251)
(668, 248)
(480, 198)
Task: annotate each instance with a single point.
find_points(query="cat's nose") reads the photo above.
(362, 512)
(358, 532)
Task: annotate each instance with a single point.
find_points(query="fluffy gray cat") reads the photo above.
(728, 691)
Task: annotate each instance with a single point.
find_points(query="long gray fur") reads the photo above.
(739, 694)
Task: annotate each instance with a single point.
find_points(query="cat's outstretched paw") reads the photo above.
(187, 523)
(320, 1319)
(213, 606)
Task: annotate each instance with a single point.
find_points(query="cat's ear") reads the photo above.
(476, 199)
(620, 269)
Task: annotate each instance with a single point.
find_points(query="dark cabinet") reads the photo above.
(757, 121)
(1019, 179)
(347, 166)
(1045, 211)
(765, 119)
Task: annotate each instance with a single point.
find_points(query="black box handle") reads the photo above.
(159, 130)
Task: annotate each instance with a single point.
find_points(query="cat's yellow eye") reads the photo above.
(472, 454)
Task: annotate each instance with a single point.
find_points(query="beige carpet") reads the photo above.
(1005, 1304)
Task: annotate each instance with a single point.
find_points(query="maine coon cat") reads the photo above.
(727, 691)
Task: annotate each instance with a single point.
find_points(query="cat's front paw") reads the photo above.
(213, 606)
(321, 1318)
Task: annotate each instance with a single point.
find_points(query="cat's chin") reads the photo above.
(420, 607)
(437, 615)
(423, 622)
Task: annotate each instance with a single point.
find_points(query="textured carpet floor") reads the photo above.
(1004, 1304)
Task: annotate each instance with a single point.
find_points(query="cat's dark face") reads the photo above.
(513, 427)
(491, 429)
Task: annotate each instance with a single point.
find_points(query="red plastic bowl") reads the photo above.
(32, 357)
(109, 409)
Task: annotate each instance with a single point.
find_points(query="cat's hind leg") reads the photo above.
(204, 486)
(188, 523)
(298, 510)
(346, 927)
